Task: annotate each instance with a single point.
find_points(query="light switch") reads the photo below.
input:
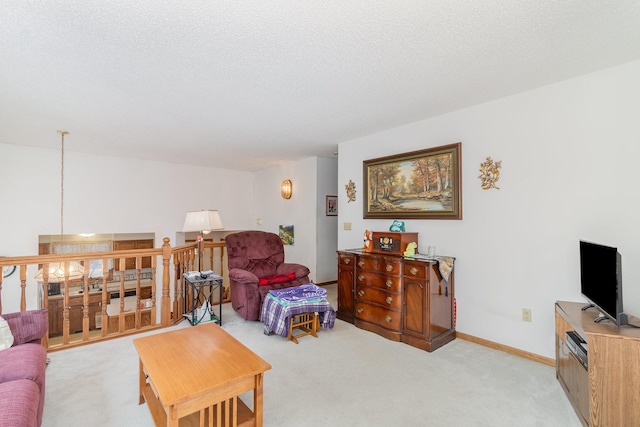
(347, 226)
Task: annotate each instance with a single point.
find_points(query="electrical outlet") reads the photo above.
(347, 226)
(526, 315)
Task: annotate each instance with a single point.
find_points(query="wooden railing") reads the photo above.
(83, 310)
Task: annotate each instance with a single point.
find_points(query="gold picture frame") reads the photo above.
(424, 184)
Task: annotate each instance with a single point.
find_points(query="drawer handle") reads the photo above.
(389, 300)
(360, 263)
(361, 293)
(389, 267)
(387, 319)
(346, 260)
(360, 277)
(413, 271)
(360, 310)
(388, 283)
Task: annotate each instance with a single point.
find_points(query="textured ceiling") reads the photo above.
(252, 84)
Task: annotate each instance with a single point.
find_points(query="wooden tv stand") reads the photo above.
(606, 392)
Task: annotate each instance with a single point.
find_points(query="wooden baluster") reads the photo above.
(121, 313)
(166, 299)
(105, 303)
(85, 301)
(44, 304)
(177, 266)
(66, 321)
(23, 287)
(138, 319)
(154, 262)
(225, 296)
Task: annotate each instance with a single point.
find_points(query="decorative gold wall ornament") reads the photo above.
(351, 191)
(490, 173)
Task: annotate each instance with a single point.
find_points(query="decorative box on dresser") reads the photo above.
(401, 299)
(605, 393)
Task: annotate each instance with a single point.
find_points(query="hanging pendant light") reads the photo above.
(61, 271)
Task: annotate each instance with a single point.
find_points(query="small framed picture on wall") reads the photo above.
(332, 206)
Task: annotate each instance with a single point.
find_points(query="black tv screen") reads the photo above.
(601, 279)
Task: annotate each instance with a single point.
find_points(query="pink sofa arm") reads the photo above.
(243, 276)
(299, 269)
(27, 326)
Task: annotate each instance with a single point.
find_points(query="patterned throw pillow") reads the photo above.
(6, 337)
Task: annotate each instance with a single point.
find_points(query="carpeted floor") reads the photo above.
(345, 377)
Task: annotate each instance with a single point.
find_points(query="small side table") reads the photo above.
(198, 291)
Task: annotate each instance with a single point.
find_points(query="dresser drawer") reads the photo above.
(418, 270)
(380, 316)
(376, 280)
(381, 264)
(346, 260)
(379, 296)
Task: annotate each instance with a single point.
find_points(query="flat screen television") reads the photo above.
(601, 281)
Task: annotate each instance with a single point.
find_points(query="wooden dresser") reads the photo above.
(399, 298)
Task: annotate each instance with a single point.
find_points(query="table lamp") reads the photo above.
(203, 222)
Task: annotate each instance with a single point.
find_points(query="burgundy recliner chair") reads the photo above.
(256, 266)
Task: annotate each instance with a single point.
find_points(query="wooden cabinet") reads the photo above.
(112, 322)
(346, 266)
(130, 263)
(606, 392)
(428, 309)
(400, 299)
(55, 316)
(76, 313)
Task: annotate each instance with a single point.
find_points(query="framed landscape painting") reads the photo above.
(421, 184)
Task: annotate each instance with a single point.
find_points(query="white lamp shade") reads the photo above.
(202, 221)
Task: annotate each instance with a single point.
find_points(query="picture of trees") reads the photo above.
(419, 184)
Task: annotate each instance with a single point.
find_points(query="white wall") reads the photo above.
(569, 155)
(298, 211)
(327, 226)
(315, 234)
(107, 195)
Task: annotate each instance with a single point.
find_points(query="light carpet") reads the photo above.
(345, 377)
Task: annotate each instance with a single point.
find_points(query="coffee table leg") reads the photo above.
(257, 400)
(172, 417)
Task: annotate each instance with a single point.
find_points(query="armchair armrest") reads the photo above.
(243, 276)
(299, 269)
(27, 326)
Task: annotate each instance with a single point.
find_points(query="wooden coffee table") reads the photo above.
(195, 374)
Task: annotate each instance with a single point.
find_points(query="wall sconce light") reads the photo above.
(286, 189)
